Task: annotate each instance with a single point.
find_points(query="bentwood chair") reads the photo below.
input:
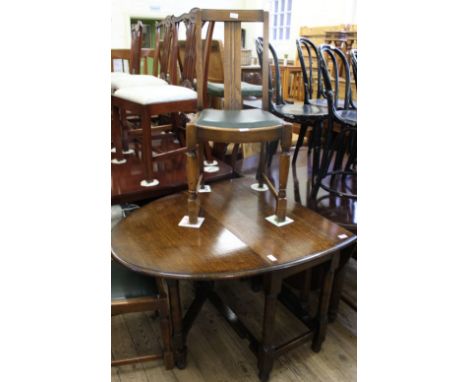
(148, 101)
(306, 114)
(353, 54)
(338, 167)
(134, 292)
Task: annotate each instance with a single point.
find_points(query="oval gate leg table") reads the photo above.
(235, 241)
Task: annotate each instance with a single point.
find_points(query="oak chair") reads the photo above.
(234, 125)
(134, 292)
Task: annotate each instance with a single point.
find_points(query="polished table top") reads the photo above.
(234, 241)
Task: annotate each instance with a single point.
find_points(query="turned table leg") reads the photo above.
(338, 282)
(324, 302)
(266, 352)
(164, 317)
(180, 350)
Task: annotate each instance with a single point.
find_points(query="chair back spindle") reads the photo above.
(275, 86)
(302, 44)
(135, 50)
(331, 56)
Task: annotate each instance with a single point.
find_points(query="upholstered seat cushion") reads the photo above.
(127, 284)
(146, 95)
(237, 119)
(125, 80)
(248, 90)
(349, 116)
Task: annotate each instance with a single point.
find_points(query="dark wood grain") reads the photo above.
(234, 240)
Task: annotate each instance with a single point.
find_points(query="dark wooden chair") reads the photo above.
(306, 114)
(342, 145)
(134, 292)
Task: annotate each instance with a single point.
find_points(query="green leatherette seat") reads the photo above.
(238, 119)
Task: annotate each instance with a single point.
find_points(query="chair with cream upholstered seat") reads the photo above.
(169, 101)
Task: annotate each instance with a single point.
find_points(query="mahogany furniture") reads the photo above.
(134, 292)
(234, 242)
(147, 101)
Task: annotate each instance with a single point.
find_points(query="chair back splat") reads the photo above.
(165, 53)
(135, 51)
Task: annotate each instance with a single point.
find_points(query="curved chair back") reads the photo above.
(331, 59)
(304, 44)
(135, 49)
(275, 86)
(353, 54)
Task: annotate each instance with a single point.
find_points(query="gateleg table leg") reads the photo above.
(266, 350)
(180, 350)
(324, 302)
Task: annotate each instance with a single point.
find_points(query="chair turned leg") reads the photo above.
(193, 172)
(266, 352)
(147, 151)
(322, 315)
(261, 165)
(117, 136)
(283, 173)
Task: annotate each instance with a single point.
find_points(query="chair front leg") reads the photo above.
(117, 136)
(193, 172)
(283, 172)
